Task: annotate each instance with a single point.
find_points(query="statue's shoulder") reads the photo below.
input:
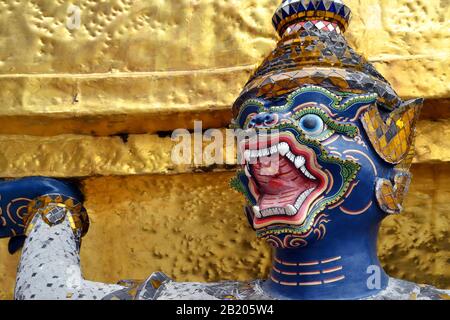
(404, 290)
(160, 287)
(224, 290)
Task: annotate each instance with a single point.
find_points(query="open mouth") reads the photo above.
(285, 179)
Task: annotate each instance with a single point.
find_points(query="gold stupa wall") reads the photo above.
(97, 103)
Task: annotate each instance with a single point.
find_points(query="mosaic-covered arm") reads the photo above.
(50, 214)
(50, 265)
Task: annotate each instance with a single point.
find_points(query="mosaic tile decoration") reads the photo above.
(305, 25)
(49, 266)
(300, 10)
(393, 137)
(390, 196)
(50, 206)
(313, 50)
(277, 83)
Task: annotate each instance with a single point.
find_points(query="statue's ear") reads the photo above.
(390, 194)
(392, 136)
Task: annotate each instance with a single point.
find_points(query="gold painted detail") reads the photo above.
(132, 287)
(54, 208)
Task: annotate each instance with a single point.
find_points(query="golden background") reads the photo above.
(98, 104)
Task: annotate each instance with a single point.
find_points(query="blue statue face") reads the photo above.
(312, 169)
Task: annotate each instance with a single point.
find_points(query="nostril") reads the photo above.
(263, 119)
(259, 119)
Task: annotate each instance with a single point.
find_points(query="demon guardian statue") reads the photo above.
(338, 144)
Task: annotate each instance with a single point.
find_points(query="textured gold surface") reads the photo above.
(131, 215)
(153, 122)
(138, 57)
(104, 125)
(414, 245)
(83, 156)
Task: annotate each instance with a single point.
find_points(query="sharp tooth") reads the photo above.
(247, 155)
(254, 153)
(273, 149)
(310, 176)
(247, 171)
(300, 200)
(257, 212)
(290, 210)
(283, 148)
(307, 174)
(303, 197)
(290, 156)
(265, 152)
(299, 161)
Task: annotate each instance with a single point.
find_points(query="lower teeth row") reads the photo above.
(289, 210)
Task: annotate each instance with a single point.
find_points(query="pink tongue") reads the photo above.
(281, 187)
(284, 178)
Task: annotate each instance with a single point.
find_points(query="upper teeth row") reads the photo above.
(284, 150)
(248, 154)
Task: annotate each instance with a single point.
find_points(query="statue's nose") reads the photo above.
(263, 119)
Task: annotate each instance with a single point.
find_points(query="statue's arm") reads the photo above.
(50, 216)
(50, 265)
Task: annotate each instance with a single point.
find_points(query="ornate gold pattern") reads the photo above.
(47, 204)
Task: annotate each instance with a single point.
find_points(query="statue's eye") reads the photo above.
(312, 124)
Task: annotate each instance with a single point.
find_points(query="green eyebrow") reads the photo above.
(291, 98)
(251, 102)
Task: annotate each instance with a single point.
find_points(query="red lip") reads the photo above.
(285, 193)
